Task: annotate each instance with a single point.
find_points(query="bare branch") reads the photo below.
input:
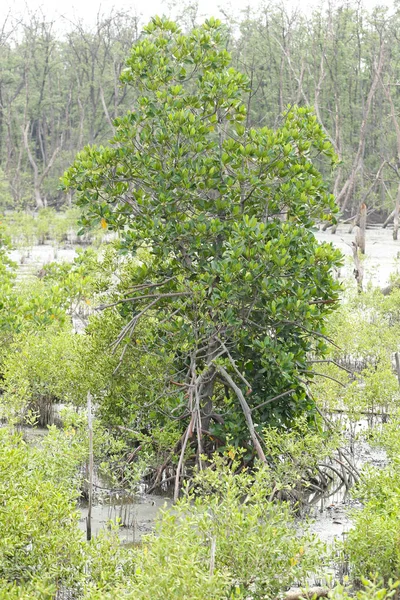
(231, 360)
(272, 400)
(137, 298)
(246, 411)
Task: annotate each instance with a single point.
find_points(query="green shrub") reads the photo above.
(39, 535)
(371, 590)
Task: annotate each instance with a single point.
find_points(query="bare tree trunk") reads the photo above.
(90, 482)
(362, 228)
(348, 188)
(38, 178)
(358, 267)
(396, 215)
(390, 218)
(395, 212)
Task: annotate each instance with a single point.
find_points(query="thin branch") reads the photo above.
(179, 467)
(142, 286)
(239, 374)
(246, 411)
(130, 327)
(272, 400)
(333, 362)
(137, 298)
(323, 375)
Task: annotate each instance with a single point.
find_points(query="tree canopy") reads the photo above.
(232, 281)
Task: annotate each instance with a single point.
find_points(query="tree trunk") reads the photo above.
(362, 228)
(390, 218)
(396, 215)
(38, 198)
(348, 188)
(358, 267)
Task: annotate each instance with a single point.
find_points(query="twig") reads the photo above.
(145, 286)
(272, 400)
(323, 375)
(144, 297)
(131, 326)
(333, 362)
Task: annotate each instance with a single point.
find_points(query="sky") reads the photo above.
(64, 11)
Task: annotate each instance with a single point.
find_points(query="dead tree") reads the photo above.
(38, 177)
(346, 193)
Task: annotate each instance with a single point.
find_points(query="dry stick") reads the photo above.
(390, 217)
(313, 592)
(90, 491)
(396, 215)
(179, 467)
(246, 411)
(212, 555)
(358, 267)
(397, 359)
(360, 237)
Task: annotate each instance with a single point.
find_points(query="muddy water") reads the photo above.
(380, 261)
(381, 258)
(31, 260)
(136, 515)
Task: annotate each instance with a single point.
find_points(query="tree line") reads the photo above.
(61, 91)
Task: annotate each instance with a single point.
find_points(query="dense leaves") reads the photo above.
(233, 273)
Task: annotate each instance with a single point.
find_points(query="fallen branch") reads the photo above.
(313, 592)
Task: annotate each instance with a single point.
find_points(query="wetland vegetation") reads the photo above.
(199, 342)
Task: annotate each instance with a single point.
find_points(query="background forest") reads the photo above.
(60, 91)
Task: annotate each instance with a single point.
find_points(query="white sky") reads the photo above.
(63, 11)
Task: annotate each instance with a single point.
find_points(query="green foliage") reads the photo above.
(360, 377)
(39, 536)
(256, 545)
(294, 456)
(26, 229)
(42, 367)
(225, 213)
(371, 590)
(372, 545)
